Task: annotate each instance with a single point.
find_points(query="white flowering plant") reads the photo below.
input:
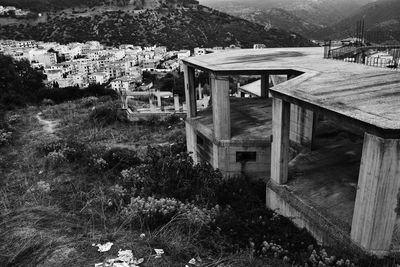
(155, 212)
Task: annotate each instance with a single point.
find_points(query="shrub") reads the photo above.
(48, 102)
(55, 158)
(5, 137)
(120, 158)
(155, 212)
(59, 95)
(89, 101)
(107, 114)
(165, 173)
(13, 119)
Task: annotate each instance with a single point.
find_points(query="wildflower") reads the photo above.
(192, 261)
(142, 235)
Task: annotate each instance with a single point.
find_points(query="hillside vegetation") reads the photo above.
(175, 28)
(47, 5)
(382, 23)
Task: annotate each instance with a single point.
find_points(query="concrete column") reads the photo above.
(221, 107)
(152, 107)
(191, 141)
(126, 103)
(190, 91)
(200, 92)
(280, 140)
(159, 104)
(302, 126)
(176, 103)
(264, 85)
(374, 214)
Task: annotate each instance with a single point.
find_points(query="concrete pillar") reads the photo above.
(302, 126)
(126, 103)
(264, 85)
(280, 140)
(374, 214)
(176, 103)
(200, 92)
(220, 158)
(191, 141)
(190, 91)
(152, 107)
(360, 58)
(221, 107)
(159, 104)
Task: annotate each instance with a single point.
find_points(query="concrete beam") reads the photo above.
(221, 107)
(190, 91)
(280, 140)
(374, 215)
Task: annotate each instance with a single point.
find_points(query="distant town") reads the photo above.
(82, 64)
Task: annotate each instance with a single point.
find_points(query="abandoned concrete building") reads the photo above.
(326, 141)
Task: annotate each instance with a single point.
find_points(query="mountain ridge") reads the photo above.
(175, 28)
(382, 23)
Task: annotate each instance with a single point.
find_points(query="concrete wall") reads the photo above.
(222, 154)
(258, 169)
(325, 231)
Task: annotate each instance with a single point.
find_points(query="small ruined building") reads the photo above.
(324, 135)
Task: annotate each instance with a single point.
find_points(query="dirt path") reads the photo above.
(48, 126)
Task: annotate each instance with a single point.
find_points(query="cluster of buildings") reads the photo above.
(13, 11)
(81, 64)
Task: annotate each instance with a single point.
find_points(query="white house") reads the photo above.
(199, 51)
(125, 83)
(99, 77)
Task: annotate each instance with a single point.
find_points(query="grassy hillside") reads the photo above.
(279, 18)
(175, 28)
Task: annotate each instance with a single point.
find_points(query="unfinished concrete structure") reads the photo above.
(342, 189)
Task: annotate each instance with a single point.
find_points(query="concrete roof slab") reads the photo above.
(366, 94)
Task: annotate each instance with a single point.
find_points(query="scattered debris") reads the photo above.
(125, 259)
(103, 248)
(159, 252)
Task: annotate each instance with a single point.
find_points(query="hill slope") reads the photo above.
(382, 22)
(301, 16)
(175, 28)
(279, 18)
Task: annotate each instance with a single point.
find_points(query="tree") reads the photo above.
(19, 82)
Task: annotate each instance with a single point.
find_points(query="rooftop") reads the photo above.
(362, 93)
